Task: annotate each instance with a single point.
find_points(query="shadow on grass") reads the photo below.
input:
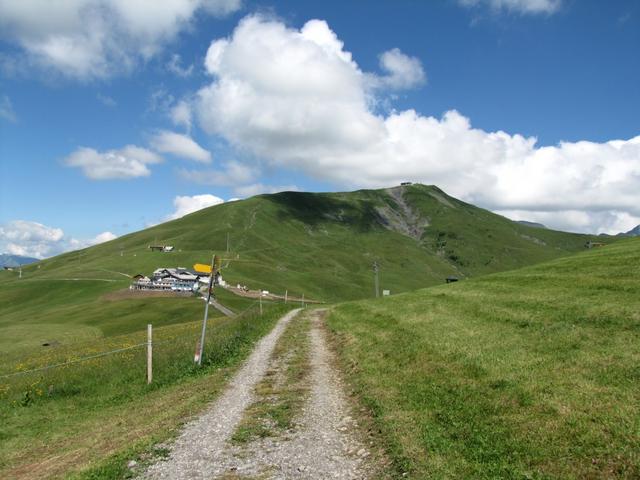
(315, 208)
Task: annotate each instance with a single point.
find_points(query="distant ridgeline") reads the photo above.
(634, 232)
(531, 224)
(12, 261)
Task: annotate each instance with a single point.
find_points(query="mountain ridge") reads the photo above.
(634, 232)
(325, 244)
(9, 260)
(531, 224)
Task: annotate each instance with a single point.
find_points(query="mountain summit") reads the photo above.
(634, 232)
(8, 260)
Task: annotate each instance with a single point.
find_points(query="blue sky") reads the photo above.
(313, 96)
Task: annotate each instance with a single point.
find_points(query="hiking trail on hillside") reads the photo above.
(322, 442)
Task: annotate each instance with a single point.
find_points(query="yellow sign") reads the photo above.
(202, 268)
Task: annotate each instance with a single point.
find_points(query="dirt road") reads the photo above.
(324, 441)
(269, 296)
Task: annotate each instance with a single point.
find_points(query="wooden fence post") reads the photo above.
(149, 353)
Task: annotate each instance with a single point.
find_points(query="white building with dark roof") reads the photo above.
(178, 279)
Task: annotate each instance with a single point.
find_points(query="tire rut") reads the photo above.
(197, 452)
(323, 443)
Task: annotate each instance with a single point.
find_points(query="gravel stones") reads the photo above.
(323, 444)
(197, 451)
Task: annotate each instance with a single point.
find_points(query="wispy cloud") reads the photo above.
(174, 65)
(181, 114)
(530, 7)
(106, 100)
(6, 110)
(229, 174)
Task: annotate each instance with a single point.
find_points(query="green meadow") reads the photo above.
(431, 364)
(64, 313)
(90, 417)
(532, 373)
(322, 245)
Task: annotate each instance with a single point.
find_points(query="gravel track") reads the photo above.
(197, 452)
(323, 444)
(326, 444)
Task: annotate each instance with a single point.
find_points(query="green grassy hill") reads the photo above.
(322, 245)
(319, 244)
(532, 373)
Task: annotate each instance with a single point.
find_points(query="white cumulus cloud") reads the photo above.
(297, 99)
(102, 237)
(402, 71)
(128, 162)
(189, 204)
(180, 145)
(88, 39)
(33, 239)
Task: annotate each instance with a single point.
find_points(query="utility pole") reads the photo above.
(20, 275)
(285, 296)
(375, 275)
(206, 309)
(261, 303)
(302, 300)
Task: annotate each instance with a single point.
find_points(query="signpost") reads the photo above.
(202, 268)
(215, 262)
(375, 273)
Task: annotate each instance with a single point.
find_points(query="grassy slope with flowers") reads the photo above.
(94, 416)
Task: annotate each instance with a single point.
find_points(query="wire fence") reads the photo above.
(69, 362)
(194, 335)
